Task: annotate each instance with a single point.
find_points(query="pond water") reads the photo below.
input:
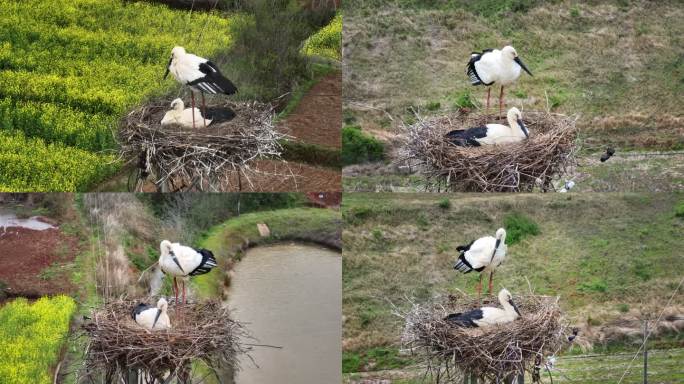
(290, 296)
(11, 220)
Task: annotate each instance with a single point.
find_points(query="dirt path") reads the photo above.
(36, 263)
(318, 117)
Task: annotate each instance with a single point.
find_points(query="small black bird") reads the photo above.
(572, 337)
(609, 152)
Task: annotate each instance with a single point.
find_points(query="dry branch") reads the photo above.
(548, 153)
(202, 158)
(491, 353)
(200, 332)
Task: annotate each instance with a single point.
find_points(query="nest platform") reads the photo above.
(491, 353)
(518, 167)
(199, 332)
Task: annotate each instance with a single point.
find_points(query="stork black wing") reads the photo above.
(138, 309)
(466, 137)
(470, 68)
(208, 262)
(213, 81)
(466, 319)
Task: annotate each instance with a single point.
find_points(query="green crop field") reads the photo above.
(69, 70)
(32, 336)
(327, 42)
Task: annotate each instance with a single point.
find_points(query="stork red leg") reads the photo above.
(489, 91)
(184, 292)
(491, 276)
(501, 101)
(204, 111)
(479, 287)
(192, 94)
(175, 290)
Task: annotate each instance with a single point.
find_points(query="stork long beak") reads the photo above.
(167, 67)
(523, 128)
(514, 307)
(175, 260)
(156, 318)
(498, 242)
(522, 65)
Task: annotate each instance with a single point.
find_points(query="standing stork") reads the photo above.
(487, 316)
(200, 74)
(150, 317)
(181, 261)
(483, 255)
(493, 66)
(492, 133)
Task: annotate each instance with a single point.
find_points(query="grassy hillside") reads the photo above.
(618, 64)
(606, 255)
(68, 75)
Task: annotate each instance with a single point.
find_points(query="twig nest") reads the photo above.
(490, 353)
(534, 162)
(207, 154)
(199, 332)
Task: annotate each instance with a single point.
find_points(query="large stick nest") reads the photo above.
(202, 156)
(199, 332)
(490, 353)
(534, 162)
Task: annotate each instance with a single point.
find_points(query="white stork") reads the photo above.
(488, 316)
(182, 116)
(181, 261)
(483, 255)
(490, 134)
(150, 317)
(200, 74)
(493, 66)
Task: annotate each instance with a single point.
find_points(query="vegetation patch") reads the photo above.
(57, 113)
(32, 337)
(359, 147)
(327, 42)
(518, 226)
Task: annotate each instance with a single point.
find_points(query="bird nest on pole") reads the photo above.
(199, 332)
(201, 157)
(491, 353)
(517, 167)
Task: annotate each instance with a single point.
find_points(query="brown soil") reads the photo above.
(318, 117)
(25, 253)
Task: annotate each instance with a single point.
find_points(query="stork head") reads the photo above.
(514, 117)
(162, 304)
(165, 247)
(505, 298)
(511, 54)
(177, 104)
(501, 234)
(175, 53)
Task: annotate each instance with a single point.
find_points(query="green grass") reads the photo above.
(358, 147)
(70, 74)
(32, 336)
(518, 226)
(228, 239)
(623, 86)
(593, 249)
(313, 154)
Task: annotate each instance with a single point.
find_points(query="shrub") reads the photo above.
(358, 147)
(32, 336)
(445, 203)
(679, 209)
(267, 45)
(518, 227)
